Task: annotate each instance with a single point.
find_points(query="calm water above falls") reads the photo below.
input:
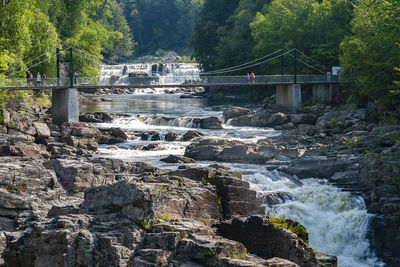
(336, 221)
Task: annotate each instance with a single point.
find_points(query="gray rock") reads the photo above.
(171, 136)
(177, 159)
(191, 134)
(42, 130)
(236, 112)
(211, 123)
(112, 136)
(278, 119)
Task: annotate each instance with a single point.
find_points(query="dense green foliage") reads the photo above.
(162, 24)
(30, 28)
(248, 29)
(362, 36)
(371, 56)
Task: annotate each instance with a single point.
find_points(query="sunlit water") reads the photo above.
(337, 222)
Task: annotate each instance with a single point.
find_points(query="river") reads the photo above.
(337, 222)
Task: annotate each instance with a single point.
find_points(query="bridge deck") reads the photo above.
(166, 85)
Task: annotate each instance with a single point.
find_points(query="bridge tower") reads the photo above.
(65, 101)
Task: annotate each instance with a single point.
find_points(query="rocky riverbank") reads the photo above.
(344, 145)
(63, 207)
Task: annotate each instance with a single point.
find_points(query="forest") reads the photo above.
(361, 36)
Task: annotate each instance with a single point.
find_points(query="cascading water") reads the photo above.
(337, 222)
(148, 73)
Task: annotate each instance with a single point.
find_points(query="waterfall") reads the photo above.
(149, 73)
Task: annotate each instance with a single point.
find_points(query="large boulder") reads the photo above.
(211, 123)
(277, 119)
(303, 119)
(20, 122)
(191, 134)
(266, 239)
(171, 136)
(177, 159)
(261, 118)
(236, 112)
(151, 136)
(42, 130)
(244, 120)
(97, 117)
(112, 136)
(226, 151)
(321, 166)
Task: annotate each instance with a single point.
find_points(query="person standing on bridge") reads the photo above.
(248, 77)
(76, 78)
(38, 80)
(28, 78)
(44, 77)
(253, 77)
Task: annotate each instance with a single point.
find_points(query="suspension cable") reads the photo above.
(91, 55)
(305, 63)
(244, 64)
(253, 65)
(29, 67)
(309, 57)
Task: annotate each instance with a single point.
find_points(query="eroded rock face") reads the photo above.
(266, 240)
(227, 151)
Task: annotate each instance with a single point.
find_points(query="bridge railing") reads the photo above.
(169, 80)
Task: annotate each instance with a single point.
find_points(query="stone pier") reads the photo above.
(288, 97)
(65, 106)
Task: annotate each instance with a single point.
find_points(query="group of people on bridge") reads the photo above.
(40, 79)
(251, 77)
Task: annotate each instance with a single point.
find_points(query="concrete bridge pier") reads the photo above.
(322, 93)
(288, 97)
(65, 107)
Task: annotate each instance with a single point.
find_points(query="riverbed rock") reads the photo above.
(112, 136)
(236, 112)
(262, 238)
(321, 166)
(171, 136)
(191, 134)
(226, 151)
(177, 159)
(277, 119)
(21, 122)
(151, 136)
(302, 118)
(77, 175)
(42, 130)
(97, 117)
(244, 120)
(211, 123)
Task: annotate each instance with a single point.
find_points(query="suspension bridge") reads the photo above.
(65, 89)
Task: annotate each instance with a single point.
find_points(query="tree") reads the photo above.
(209, 30)
(372, 53)
(314, 27)
(236, 46)
(27, 33)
